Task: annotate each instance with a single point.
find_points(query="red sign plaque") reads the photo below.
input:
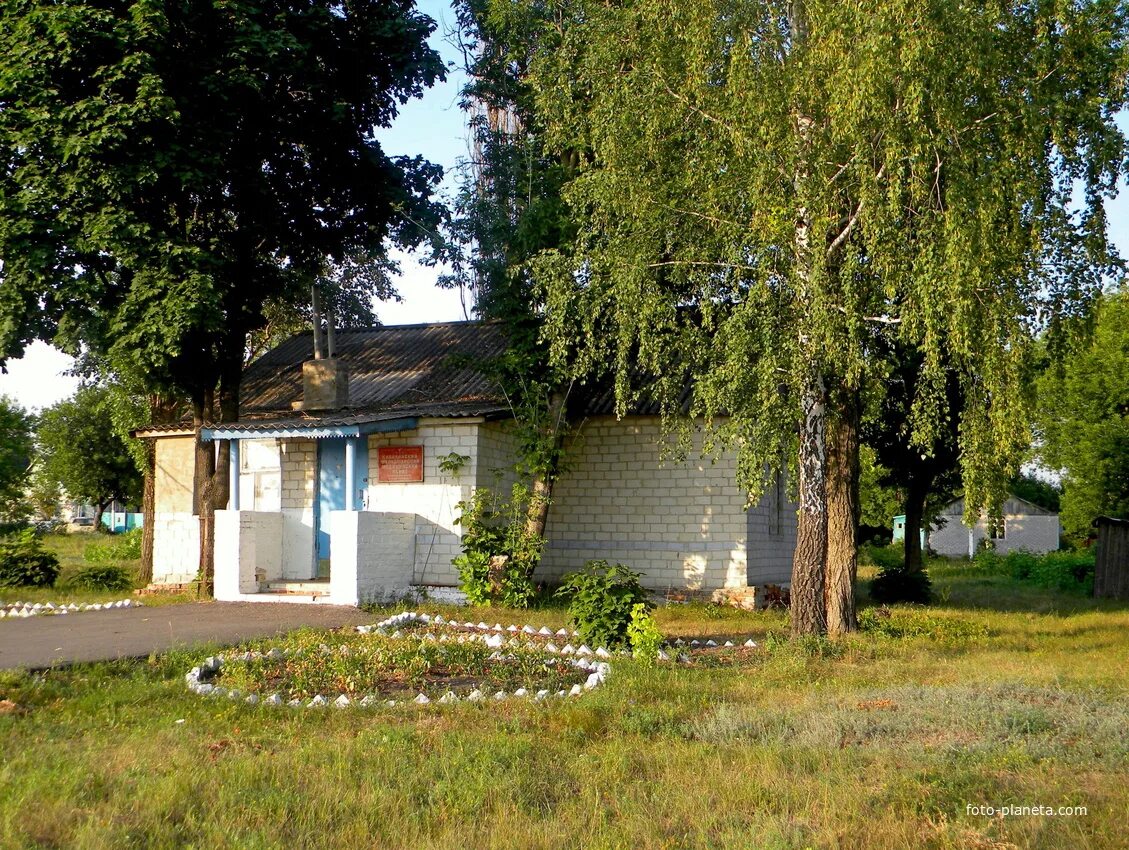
(399, 464)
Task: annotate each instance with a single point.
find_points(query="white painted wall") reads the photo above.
(373, 556)
(248, 551)
(176, 547)
(299, 473)
(176, 530)
(683, 524)
(433, 501)
(1026, 532)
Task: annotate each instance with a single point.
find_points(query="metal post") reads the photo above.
(315, 305)
(350, 473)
(233, 476)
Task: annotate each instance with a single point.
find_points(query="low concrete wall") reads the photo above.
(248, 551)
(373, 556)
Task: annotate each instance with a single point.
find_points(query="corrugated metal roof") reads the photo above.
(417, 370)
(399, 371)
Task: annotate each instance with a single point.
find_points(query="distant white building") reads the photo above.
(1024, 526)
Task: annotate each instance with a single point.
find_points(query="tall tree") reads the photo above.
(16, 448)
(1084, 420)
(925, 476)
(82, 450)
(166, 169)
(507, 211)
(769, 188)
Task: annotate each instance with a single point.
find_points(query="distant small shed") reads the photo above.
(1111, 568)
(899, 531)
(1022, 525)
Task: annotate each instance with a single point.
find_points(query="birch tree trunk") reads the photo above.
(809, 605)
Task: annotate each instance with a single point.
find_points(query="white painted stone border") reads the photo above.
(28, 609)
(598, 671)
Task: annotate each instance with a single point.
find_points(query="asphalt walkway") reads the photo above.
(45, 641)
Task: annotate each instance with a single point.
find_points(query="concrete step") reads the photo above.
(312, 587)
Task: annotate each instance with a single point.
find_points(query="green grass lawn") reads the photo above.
(1001, 694)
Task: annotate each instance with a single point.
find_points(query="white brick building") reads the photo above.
(1023, 526)
(291, 525)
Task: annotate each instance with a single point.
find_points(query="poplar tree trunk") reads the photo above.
(99, 509)
(916, 496)
(148, 512)
(809, 604)
(842, 519)
(204, 490)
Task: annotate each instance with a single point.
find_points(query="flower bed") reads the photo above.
(407, 658)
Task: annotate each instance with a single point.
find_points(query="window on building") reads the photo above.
(260, 475)
(776, 508)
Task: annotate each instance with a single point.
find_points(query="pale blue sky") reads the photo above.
(435, 127)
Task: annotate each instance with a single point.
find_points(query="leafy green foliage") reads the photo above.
(643, 635)
(1067, 571)
(452, 463)
(766, 192)
(101, 577)
(1084, 419)
(898, 583)
(82, 449)
(169, 169)
(499, 552)
(602, 600)
(15, 458)
(1035, 490)
(878, 501)
(24, 561)
(123, 547)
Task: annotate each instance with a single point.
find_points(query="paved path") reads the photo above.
(44, 641)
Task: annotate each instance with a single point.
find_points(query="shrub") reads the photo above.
(883, 557)
(643, 634)
(1070, 571)
(899, 584)
(125, 547)
(24, 561)
(102, 577)
(499, 555)
(1064, 571)
(989, 562)
(1020, 564)
(601, 601)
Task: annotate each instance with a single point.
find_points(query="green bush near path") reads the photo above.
(1000, 693)
(81, 581)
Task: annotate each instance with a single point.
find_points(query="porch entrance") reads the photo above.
(331, 497)
(342, 467)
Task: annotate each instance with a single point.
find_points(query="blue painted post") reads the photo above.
(350, 474)
(233, 476)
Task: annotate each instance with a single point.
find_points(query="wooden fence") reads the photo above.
(1111, 569)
